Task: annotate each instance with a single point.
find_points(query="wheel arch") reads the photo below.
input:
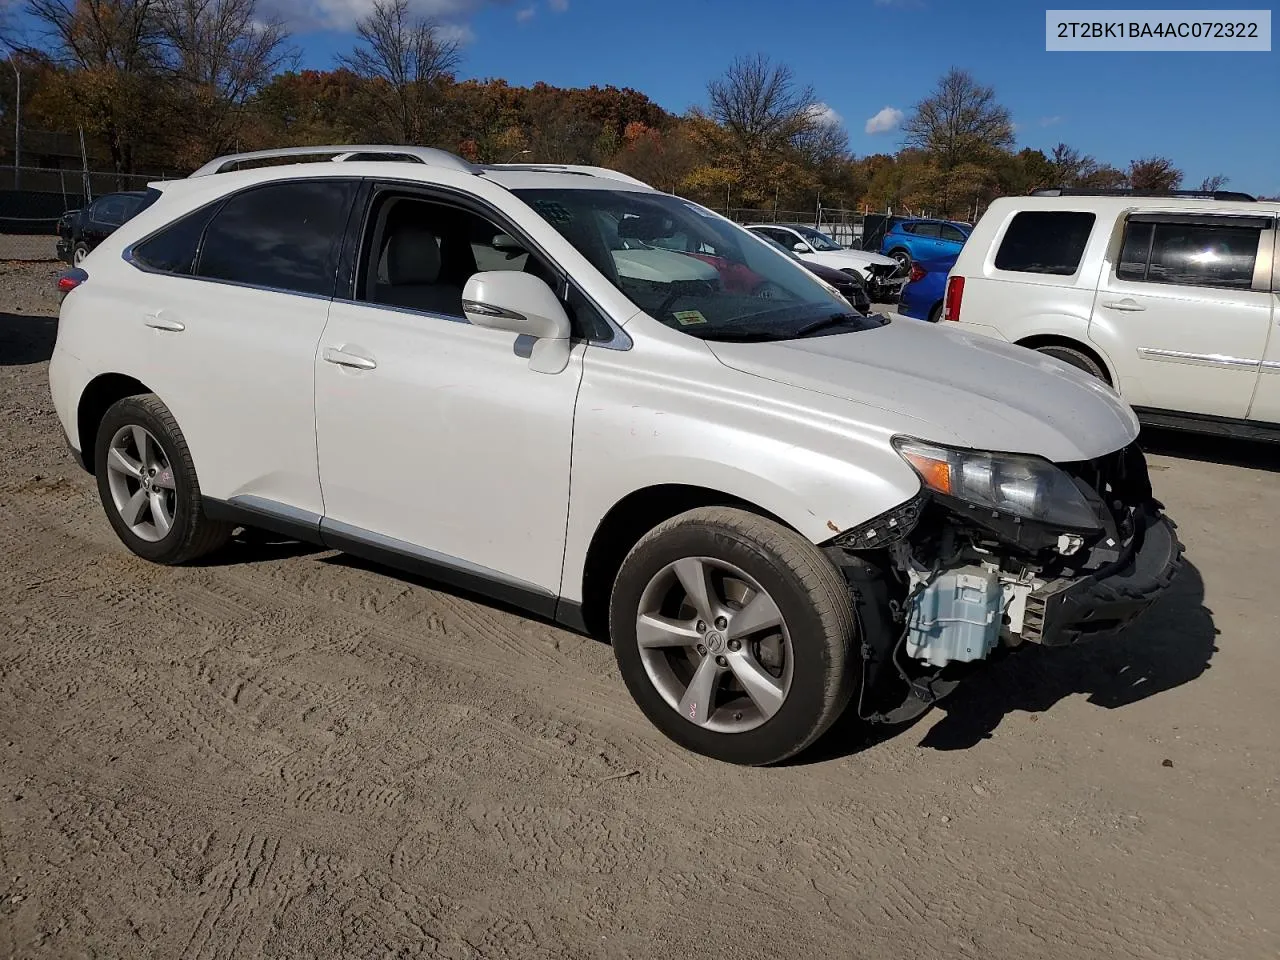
(1053, 340)
(630, 519)
(98, 396)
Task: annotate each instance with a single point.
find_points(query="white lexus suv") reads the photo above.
(776, 508)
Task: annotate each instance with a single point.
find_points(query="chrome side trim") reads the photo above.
(1198, 359)
(346, 531)
(1271, 366)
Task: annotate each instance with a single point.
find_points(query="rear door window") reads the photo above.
(1195, 252)
(1045, 241)
(283, 236)
(926, 230)
(954, 234)
(173, 249)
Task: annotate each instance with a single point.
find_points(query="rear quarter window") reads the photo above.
(1045, 241)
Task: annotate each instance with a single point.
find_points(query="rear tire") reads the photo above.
(904, 259)
(148, 486)
(1077, 358)
(772, 637)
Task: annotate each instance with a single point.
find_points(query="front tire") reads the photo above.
(147, 483)
(735, 635)
(904, 259)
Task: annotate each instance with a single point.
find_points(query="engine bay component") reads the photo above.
(957, 616)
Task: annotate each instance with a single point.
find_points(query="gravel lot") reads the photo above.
(286, 753)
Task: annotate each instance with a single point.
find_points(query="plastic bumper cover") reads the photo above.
(1063, 612)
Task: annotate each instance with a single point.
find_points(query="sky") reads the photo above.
(869, 61)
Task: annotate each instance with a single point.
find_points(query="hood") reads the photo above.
(855, 258)
(951, 387)
(661, 266)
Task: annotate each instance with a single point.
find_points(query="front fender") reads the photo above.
(784, 450)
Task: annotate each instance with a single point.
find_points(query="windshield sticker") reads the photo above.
(687, 318)
(552, 212)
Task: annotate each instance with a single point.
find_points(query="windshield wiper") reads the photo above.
(832, 321)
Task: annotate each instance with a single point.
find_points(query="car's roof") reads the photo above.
(405, 163)
(1112, 205)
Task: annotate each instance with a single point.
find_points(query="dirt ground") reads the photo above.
(286, 753)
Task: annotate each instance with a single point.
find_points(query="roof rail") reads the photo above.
(400, 152)
(1127, 192)
(587, 171)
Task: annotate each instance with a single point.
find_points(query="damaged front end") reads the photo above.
(996, 551)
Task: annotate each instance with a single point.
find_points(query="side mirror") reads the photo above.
(522, 304)
(801, 247)
(507, 244)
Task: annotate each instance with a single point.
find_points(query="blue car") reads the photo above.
(922, 296)
(910, 240)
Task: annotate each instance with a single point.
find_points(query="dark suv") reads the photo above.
(79, 231)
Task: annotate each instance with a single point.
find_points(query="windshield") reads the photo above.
(693, 270)
(819, 241)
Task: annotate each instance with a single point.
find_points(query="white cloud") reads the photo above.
(886, 121)
(305, 15)
(824, 114)
(1050, 121)
(558, 6)
(525, 14)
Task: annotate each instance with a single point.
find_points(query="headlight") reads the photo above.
(1024, 486)
(833, 291)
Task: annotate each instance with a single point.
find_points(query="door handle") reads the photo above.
(344, 359)
(161, 321)
(1127, 305)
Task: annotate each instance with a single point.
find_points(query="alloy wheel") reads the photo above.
(141, 481)
(714, 644)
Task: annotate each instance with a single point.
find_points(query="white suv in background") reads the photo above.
(773, 505)
(1174, 301)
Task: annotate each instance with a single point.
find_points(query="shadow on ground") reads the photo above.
(1252, 454)
(1169, 645)
(25, 340)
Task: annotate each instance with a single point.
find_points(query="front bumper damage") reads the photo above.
(964, 587)
(1068, 610)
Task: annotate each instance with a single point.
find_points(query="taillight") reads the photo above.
(955, 293)
(917, 272)
(71, 279)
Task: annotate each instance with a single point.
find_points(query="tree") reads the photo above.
(219, 53)
(959, 124)
(114, 50)
(765, 138)
(1214, 183)
(406, 58)
(1154, 173)
(759, 104)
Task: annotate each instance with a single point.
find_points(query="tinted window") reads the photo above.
(1045, 241)
(952, 233)
(109, 210)
(926, 230)
(173, 249)
(1189, 254)
(284, 236)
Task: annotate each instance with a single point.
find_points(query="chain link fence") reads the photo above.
(32, 199)
(842, 226)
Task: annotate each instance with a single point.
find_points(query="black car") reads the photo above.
(79, 231)
(850, 287)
